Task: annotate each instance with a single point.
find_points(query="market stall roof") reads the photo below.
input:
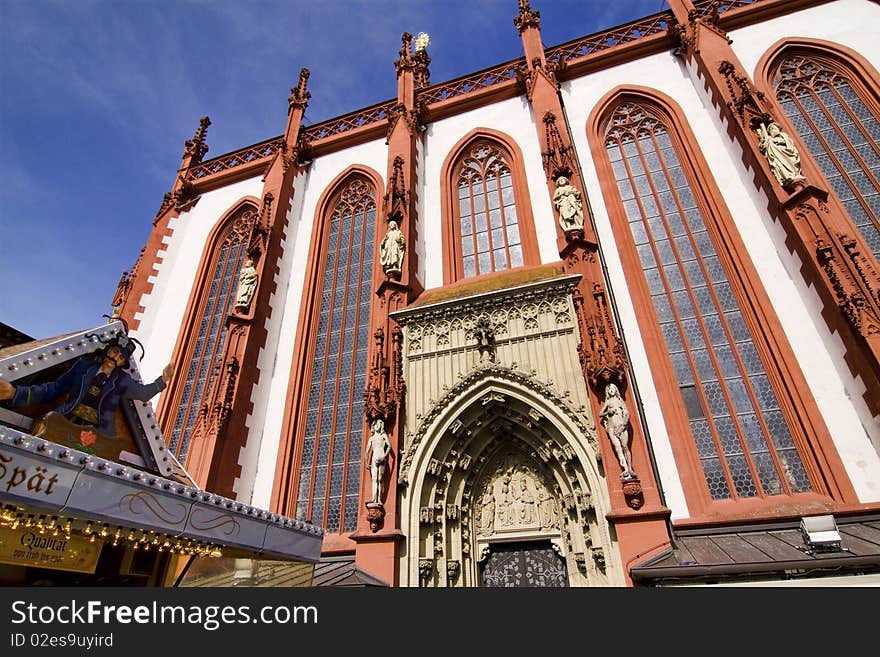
(147, 495)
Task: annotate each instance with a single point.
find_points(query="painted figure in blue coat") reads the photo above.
(94, 387)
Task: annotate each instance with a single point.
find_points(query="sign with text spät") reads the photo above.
(27, 547)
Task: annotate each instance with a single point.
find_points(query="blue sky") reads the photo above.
(98, 96)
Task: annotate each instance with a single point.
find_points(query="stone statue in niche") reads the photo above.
(376, 459)
(247, 285)
(485, 337)
(782, 156)
(615, 418)
(567, 200)
(392, 250)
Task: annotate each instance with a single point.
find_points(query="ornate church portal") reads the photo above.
(501, 485)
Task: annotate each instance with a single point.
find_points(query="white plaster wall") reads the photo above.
(165, 305)
(420, 246)
(852, 23)
(796, 306)
(512, 117)
(271, 394)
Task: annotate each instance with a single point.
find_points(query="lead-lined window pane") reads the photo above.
(724, 388)
(342, 337)
(486, 189)
(840, 130)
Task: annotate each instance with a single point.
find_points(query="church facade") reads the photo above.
(604, 315)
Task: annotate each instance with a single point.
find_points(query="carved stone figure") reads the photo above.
(452, 570)
(392, 249)
(376, 459)
(547, 510)
(781, 154)
(485, 337)
(567, 200)
(615, 418)
(426, 571)
(514, 499)
(247, 285)
(487, 512)
(523, 503)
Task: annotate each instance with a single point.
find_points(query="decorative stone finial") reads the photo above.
(299, 95)
(196, 147)
(527, 17)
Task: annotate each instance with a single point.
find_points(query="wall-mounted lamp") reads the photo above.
(820, 533)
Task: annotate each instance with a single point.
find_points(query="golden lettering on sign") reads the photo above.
(38, 481)
(22, 547)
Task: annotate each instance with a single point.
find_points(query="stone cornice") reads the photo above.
(475, 303)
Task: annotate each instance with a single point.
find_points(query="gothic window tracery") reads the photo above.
(332, 423)
(210, 329)
(839, 122)
(488, 228)
(738, 427)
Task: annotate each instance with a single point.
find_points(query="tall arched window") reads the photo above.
(838, 120)
(487, 212)
(332, 423)
(739, 431)
(207, 333)
(490, 227)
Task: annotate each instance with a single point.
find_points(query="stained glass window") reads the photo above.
(329, 477)
(841, 129)
(488, 231)
(211, 333)
(737, 426)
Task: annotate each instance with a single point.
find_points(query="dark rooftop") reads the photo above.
(775, 551)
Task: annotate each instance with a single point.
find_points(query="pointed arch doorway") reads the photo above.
(508, 492)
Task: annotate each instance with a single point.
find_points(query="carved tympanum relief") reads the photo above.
(513, 499)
